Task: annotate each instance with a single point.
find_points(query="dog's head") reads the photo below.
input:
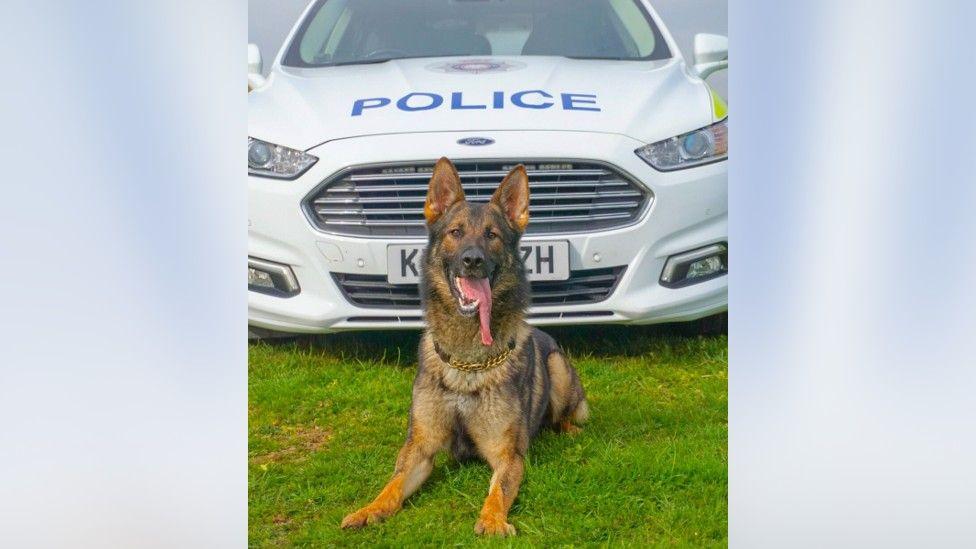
(472, 260)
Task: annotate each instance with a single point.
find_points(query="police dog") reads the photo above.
(486, 382)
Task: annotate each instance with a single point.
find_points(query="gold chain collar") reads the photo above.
(490, 363)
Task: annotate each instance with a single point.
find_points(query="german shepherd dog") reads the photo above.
(486, 382)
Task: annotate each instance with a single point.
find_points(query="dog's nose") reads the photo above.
(473, 258)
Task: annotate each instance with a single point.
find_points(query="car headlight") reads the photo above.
(270, 160)
(702, 146)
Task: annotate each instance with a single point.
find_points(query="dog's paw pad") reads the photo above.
(494, 528)
(569, 428)
(360, 519)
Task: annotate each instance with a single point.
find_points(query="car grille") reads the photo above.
(582, 287)
(531, 316)
(388, 200)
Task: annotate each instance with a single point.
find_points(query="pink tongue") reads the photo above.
(478, 288)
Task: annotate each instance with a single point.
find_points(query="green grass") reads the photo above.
(327, 416)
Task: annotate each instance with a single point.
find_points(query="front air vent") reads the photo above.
(583, 287)
(388, 200)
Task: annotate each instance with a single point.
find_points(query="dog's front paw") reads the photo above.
(363, 517)
(493, 527)
(568, 428)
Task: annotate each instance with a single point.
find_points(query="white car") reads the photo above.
(624, 142)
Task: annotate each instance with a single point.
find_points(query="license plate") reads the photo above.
(543, 261)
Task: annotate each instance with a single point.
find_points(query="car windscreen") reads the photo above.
(343, 32)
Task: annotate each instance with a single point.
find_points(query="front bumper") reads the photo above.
(689, 211)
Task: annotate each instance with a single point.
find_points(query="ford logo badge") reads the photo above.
(476, 141)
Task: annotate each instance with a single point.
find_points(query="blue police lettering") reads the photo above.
(360, 104)
(498, 100)
(572, 102)
(459, 101)
(519, 102)
(435, 101)
(456, 103)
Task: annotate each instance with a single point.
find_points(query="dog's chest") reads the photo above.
(465, 405)
(483, 403)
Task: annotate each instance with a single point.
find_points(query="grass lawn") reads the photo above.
(328, 415)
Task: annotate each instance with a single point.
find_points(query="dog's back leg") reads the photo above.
(567, 400)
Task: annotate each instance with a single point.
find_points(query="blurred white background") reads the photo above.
(853, 245)
(123, 374)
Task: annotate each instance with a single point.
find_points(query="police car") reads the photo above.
(624, 142)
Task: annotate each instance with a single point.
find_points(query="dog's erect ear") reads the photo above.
(512, 196)
(444, 190)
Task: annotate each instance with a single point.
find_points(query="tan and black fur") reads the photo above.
(492, 414)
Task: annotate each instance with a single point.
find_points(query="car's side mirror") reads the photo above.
(254, 67)
(711, 53)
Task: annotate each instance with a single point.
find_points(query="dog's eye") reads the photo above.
(456, 233)
(489, 234)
